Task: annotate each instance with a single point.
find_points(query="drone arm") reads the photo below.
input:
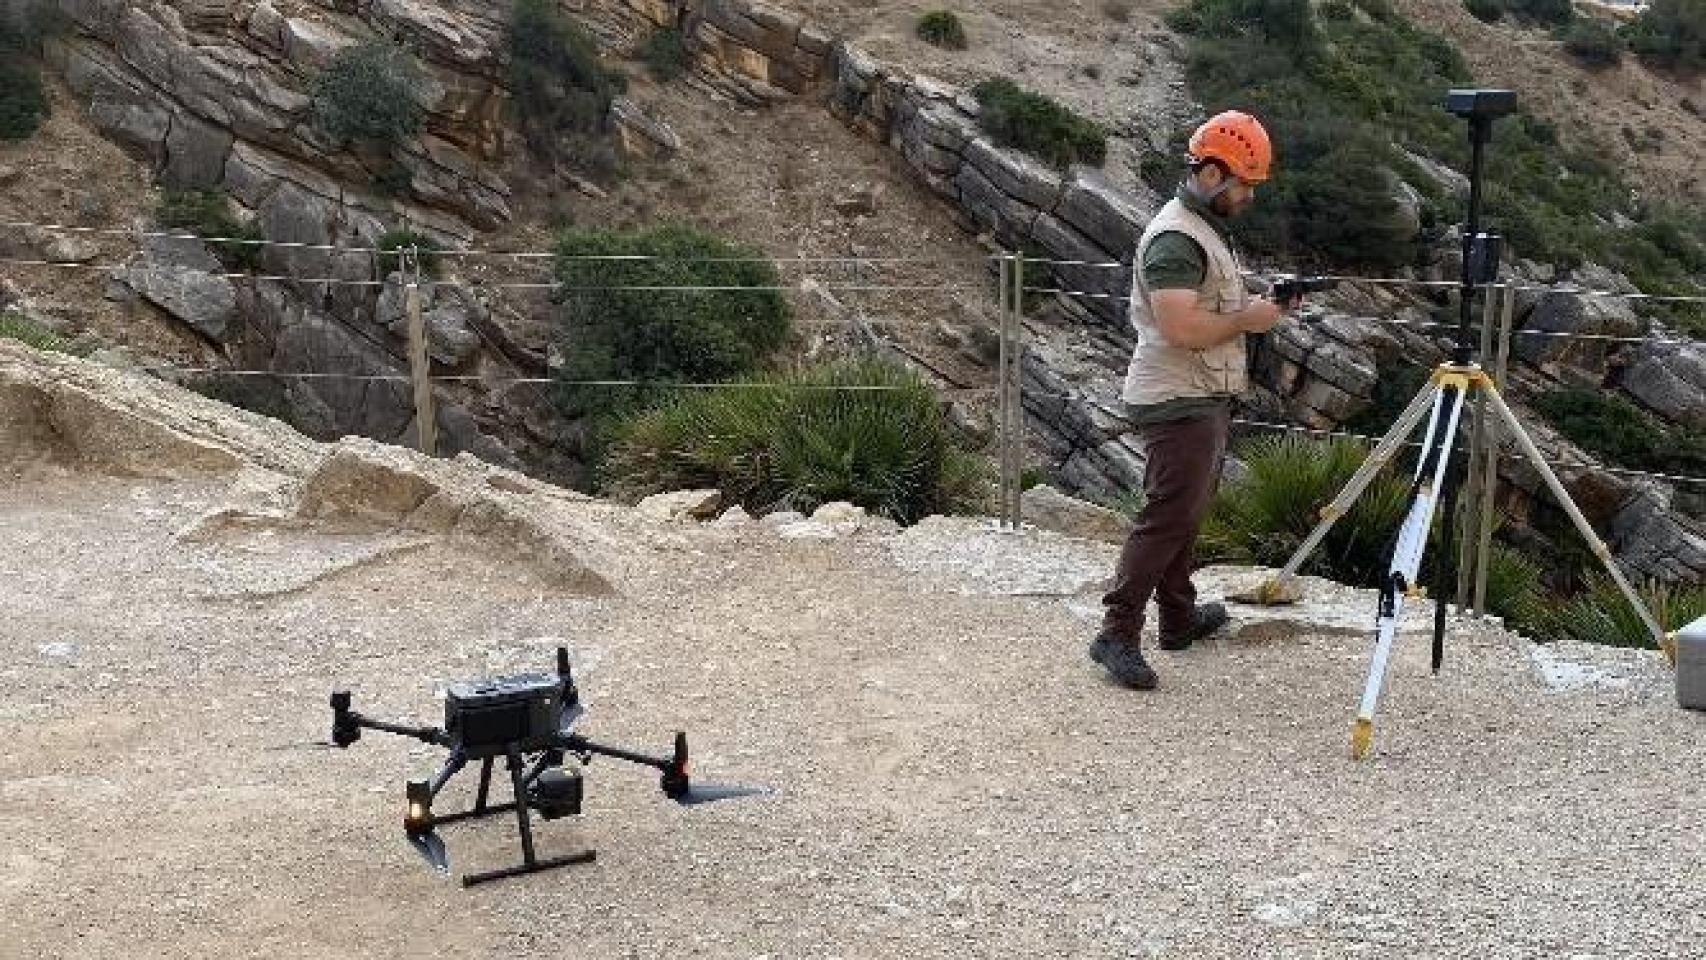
(575, 743)
(348, 724)
(432, 735)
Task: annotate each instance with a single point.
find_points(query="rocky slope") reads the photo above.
(211, 94)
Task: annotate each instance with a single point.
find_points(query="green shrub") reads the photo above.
(662, 326)
(1593, 42)
(16, 326)
(1118, 11)
(1549, 12)
(208, 213)
(1616, 430)
(1263, 517)
(392, 179)
(562, 90)
(25, 24)
(665, 52)
(23, 102)
(1286, 22)
(1670, 34)
(942, 28)
(1486, 11)
(1128, 502)
(1603, 615)
(1337, 10)
(796, 443)
(1037, 124)
(1515, 589)
(402, 238)
(365, 96)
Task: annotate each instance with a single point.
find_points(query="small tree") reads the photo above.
(208, 213)
(365, 96)
(23, 102)
(1593, 43)
(1552, 12)
(1486, 11)
(942, 28)
(1288, 22)
(1038, 125)
(562, 91)
(669, 304)
(665, 53)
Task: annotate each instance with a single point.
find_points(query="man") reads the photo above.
(1192, 312)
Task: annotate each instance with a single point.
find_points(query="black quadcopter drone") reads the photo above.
(523, 719)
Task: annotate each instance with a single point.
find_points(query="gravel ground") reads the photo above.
(953, 777)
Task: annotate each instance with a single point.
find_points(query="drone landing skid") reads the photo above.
(524, 822)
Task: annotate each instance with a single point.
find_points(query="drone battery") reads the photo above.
(484, 717)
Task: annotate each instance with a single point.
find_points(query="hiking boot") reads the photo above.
(1123, 660)
(1206, 619)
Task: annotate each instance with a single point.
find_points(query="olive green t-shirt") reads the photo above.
(1174, 261)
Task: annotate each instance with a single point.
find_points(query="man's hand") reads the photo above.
(1262, 314)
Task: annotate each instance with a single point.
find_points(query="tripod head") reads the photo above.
(1480, 106)
(1480, 251)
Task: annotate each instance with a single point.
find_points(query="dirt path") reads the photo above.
(954, 778)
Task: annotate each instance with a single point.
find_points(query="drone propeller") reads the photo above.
(678, 786)
(417, 824)
(431, 847)
(570, 715)
(305, 745)
(707, 792)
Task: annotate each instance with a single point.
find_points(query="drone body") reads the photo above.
(526, 721)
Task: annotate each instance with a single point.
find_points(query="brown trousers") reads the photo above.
(1183, 460)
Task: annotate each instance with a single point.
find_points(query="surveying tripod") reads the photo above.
(1433, 483)
(1442, 398)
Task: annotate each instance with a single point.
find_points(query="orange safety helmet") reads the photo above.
(1237, 140)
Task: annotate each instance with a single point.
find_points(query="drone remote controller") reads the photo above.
(1287, 288)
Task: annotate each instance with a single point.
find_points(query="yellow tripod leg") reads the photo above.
(1362, 737)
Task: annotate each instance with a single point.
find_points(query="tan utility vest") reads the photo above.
(1160, 371)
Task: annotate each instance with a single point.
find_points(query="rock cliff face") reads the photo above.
(213, 95)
